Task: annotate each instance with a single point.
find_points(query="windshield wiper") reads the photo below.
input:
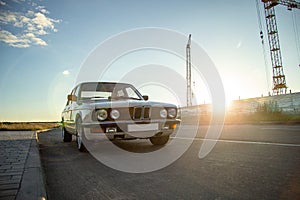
(133, 98)
(97, 97)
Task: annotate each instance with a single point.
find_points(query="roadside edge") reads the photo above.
(33, 182)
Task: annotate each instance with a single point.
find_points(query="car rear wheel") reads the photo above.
(66, 135)
(162, 140)
(79, 135)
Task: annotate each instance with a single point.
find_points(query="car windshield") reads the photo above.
(111, 91)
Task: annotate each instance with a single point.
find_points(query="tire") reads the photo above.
(159, 140)
(79, 134)
(67, 137)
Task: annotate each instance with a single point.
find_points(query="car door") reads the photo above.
(73, 109)
(66, 115)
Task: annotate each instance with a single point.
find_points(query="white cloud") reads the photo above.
(13, 40)
(7, 17)
(39, 41)
(35, 39)
(30, 35)
(20, 45)
(30, 13)
(7, 36)
(24, 19)
(42, 22)
(66, 72)
(20, 41)
(42, 9)
(2, 3)
(41, 32)
(28, 25)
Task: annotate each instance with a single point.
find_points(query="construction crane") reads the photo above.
(189, 73)
(279, 82)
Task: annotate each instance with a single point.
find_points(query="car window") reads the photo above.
(95, 94)
(131, 93)
(95, 91)
(76, 91)
(107, 90)
(120, 93)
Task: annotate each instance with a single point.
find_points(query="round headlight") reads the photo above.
(163, 113)
(172, 112)
(114, 114)
(101, 114)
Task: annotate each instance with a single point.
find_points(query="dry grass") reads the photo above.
(263, 117)
(27, 126)
(254, 118)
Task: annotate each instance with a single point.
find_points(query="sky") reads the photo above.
(44, 43)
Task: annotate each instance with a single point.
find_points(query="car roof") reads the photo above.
(104, 82)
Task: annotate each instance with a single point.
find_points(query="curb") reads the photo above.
(33, 185)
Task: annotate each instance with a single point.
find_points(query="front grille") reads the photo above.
(137, 113)
(141, 113)
(146, 113)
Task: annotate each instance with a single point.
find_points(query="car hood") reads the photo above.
(123, 104)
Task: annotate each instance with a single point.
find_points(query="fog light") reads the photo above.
(173, 126)
(111, 130)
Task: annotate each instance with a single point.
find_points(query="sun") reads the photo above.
(232, 90)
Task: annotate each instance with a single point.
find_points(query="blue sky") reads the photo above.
(44, 43)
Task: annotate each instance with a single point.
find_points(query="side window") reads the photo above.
(76, 92)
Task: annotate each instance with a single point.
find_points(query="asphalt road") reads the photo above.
(248, 162)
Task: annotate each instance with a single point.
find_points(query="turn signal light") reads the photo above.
(173, 126)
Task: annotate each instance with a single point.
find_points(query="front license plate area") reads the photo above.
(142, 127)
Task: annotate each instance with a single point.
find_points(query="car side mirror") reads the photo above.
(72, 97)
(145, 97)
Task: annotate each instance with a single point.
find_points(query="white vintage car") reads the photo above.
(117, 111)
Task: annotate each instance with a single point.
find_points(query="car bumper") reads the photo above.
(129, 129)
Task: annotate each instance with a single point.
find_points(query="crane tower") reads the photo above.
(279, 82)
(189, 72)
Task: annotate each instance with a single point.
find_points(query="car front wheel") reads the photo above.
(162, 140)
(79, 135)
(66, 135)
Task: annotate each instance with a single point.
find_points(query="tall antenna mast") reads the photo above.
(189, 72)
(279, 82)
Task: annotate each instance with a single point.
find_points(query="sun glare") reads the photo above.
(232, 91)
